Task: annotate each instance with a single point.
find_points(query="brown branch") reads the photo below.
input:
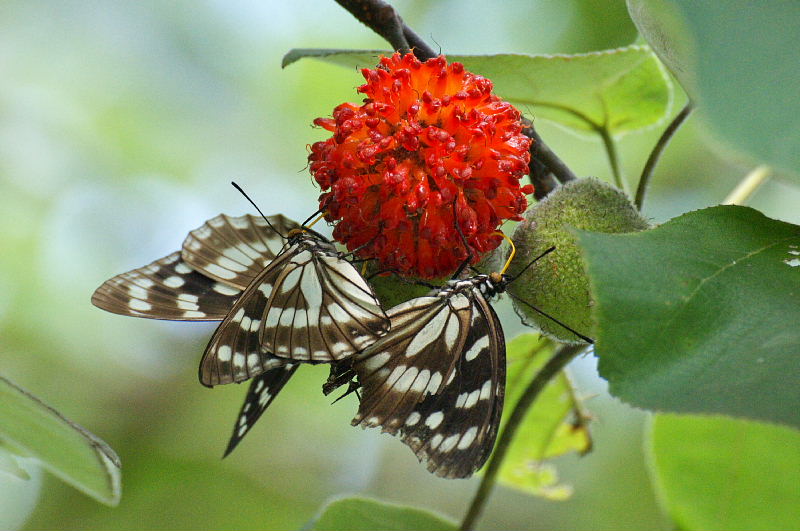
(381, 18)
(558, 171)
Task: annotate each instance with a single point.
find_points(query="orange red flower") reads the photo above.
(430, 147)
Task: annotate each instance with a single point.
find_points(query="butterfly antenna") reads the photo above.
(513, 251)
(256, 207)
(548, 251)
(534, 308)
(307, 225)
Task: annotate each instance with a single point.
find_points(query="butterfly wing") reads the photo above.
(321, 309)
(202, 282)
(263, 390)
(234, 250)
(235, 353)
(166, 289)
(437, 379)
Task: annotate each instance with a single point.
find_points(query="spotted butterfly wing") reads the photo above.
(308, 305)
(184, 286)
(167, 288)
(262, 392)
(437, 379)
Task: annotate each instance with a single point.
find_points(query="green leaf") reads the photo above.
(553, 426)
(620, 90)
(722, 473)
(700, 315)
(31, 427)
(364, 514)
(736, 60)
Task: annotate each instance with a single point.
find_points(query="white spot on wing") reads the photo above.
(428, 334)
(224, 353)
(421, 383)
(486, 390)
(218, 271)
(139, 305)
(137, 292)
(449, 443)
(451, 332)
(476, 348)
(434, 419)
(377, 361)
(406, 381)
(291, 279)
(174, 281)
(459, 302)
(224, 289)
(413, 418)
(435, 382)
(467, 438)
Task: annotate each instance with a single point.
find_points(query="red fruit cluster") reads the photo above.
(431, 147)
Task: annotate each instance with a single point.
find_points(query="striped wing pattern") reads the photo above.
(235, 353)
(437, 380)
(166, 289)
(234, 250)
(320, 310)
(308, 305)
(262, 392)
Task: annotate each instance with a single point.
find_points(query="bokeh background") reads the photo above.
(121, 126)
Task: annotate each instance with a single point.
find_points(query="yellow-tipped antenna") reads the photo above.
(510, 256)
(322, 215)
(364, 269)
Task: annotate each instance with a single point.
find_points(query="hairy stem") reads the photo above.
(662, 143)
(381, 18)
(560, 359)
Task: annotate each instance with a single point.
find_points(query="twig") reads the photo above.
(662, 143)
(560, 360)
(381, 18)
(542, 178)
(541, 151)
(748, 185)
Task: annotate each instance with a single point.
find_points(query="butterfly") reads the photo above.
(282, 300)
(437, 379)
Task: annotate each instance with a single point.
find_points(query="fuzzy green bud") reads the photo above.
(557, 283)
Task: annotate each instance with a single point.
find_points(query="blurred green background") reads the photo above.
(121, 126)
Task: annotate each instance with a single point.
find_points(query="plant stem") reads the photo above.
(748, 185)
(662, 143)
(541, 151)
(613, 158)
(560, 359)
(381, 18)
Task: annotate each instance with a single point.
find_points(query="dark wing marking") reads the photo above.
(437, 379)
(235, 353)
(263, 390)
(234, 250)
(166, 289)
(321, 309)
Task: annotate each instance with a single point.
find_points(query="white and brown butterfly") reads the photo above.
(281, 300)
(438, 378)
